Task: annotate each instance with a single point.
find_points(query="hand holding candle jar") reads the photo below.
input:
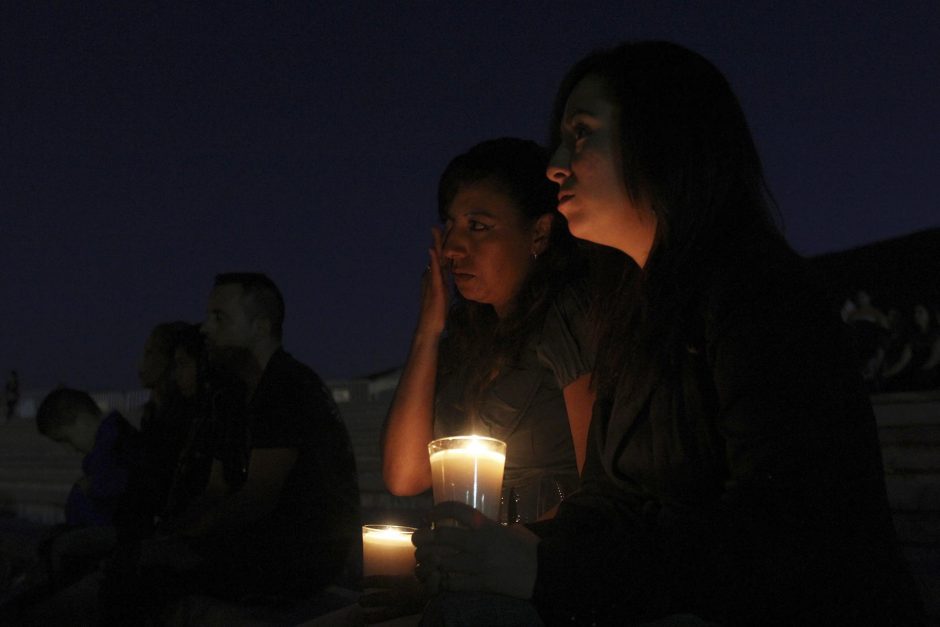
(387, 550)
(468, 469)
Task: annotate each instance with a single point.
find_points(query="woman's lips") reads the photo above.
(460, 277)
(564, 197)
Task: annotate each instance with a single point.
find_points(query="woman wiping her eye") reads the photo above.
(509, 358)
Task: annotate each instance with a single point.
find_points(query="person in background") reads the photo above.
(157, 486)
(509, 358)
(194, 459)
(111, 449)
(870, 329)
(110, 446)
(167, 417)
(865, 311)
(279, 515)
(913, 362)
(733, 474)
(925, 350)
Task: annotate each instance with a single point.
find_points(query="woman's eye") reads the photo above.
(477, 226)
(580, 131)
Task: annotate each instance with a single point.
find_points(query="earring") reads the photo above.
(535, 256)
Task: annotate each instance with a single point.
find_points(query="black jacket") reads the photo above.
(743, 485)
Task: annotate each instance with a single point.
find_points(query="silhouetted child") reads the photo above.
(111, 447)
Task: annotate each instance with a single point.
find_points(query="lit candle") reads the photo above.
(387, 550)
(468, 469)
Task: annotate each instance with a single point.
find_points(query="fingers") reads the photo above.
(466, 563)
(430, 578)
(422, 535)
(456, 581)
(461, 512)
(446, 539)
(452, 550)
(437, 251)
(442, 579)
(452, 557)
(434, 269)
(429, 555)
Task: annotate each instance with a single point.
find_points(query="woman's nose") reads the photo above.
(453, 245)
(558, 166)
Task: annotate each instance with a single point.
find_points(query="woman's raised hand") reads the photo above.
(434, 297)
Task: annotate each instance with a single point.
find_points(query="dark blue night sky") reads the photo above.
(146, 148)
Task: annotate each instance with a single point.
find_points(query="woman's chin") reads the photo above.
(468, 295)
(578, 229)
(472, 296)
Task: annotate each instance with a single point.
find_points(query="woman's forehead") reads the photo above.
(481, 197)
(589, 96)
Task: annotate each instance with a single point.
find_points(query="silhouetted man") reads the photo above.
(281, 510)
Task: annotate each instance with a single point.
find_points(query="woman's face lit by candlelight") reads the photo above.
(488, 247)
(587, 167)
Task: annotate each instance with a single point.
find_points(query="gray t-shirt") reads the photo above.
(524, 406)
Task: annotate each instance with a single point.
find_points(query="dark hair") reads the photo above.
(478, 343)
(687, 153)
(263, 296)
(168, 403)
(190, 339)
(166, 335)
(60, 407)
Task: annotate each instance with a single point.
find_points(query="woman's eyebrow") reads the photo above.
(470, 213)
(479, 213)
(579, 112)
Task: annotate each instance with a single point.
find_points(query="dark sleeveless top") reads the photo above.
(525, 407)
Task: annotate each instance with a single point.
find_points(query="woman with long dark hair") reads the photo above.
(733, 473)
(169, 414)
(508, 359)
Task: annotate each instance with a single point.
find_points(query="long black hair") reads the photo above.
(165, 337)
(477, 342)
(686, 153)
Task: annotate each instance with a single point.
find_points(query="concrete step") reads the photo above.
(907, 408)
(911, 457)
(39, 474)
(40, 512)
(923, 435)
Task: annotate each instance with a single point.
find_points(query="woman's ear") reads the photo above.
(541, 233)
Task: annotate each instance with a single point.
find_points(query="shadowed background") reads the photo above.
(145, 148)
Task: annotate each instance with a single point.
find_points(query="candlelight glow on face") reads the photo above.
(468, 469)
(387, 550)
